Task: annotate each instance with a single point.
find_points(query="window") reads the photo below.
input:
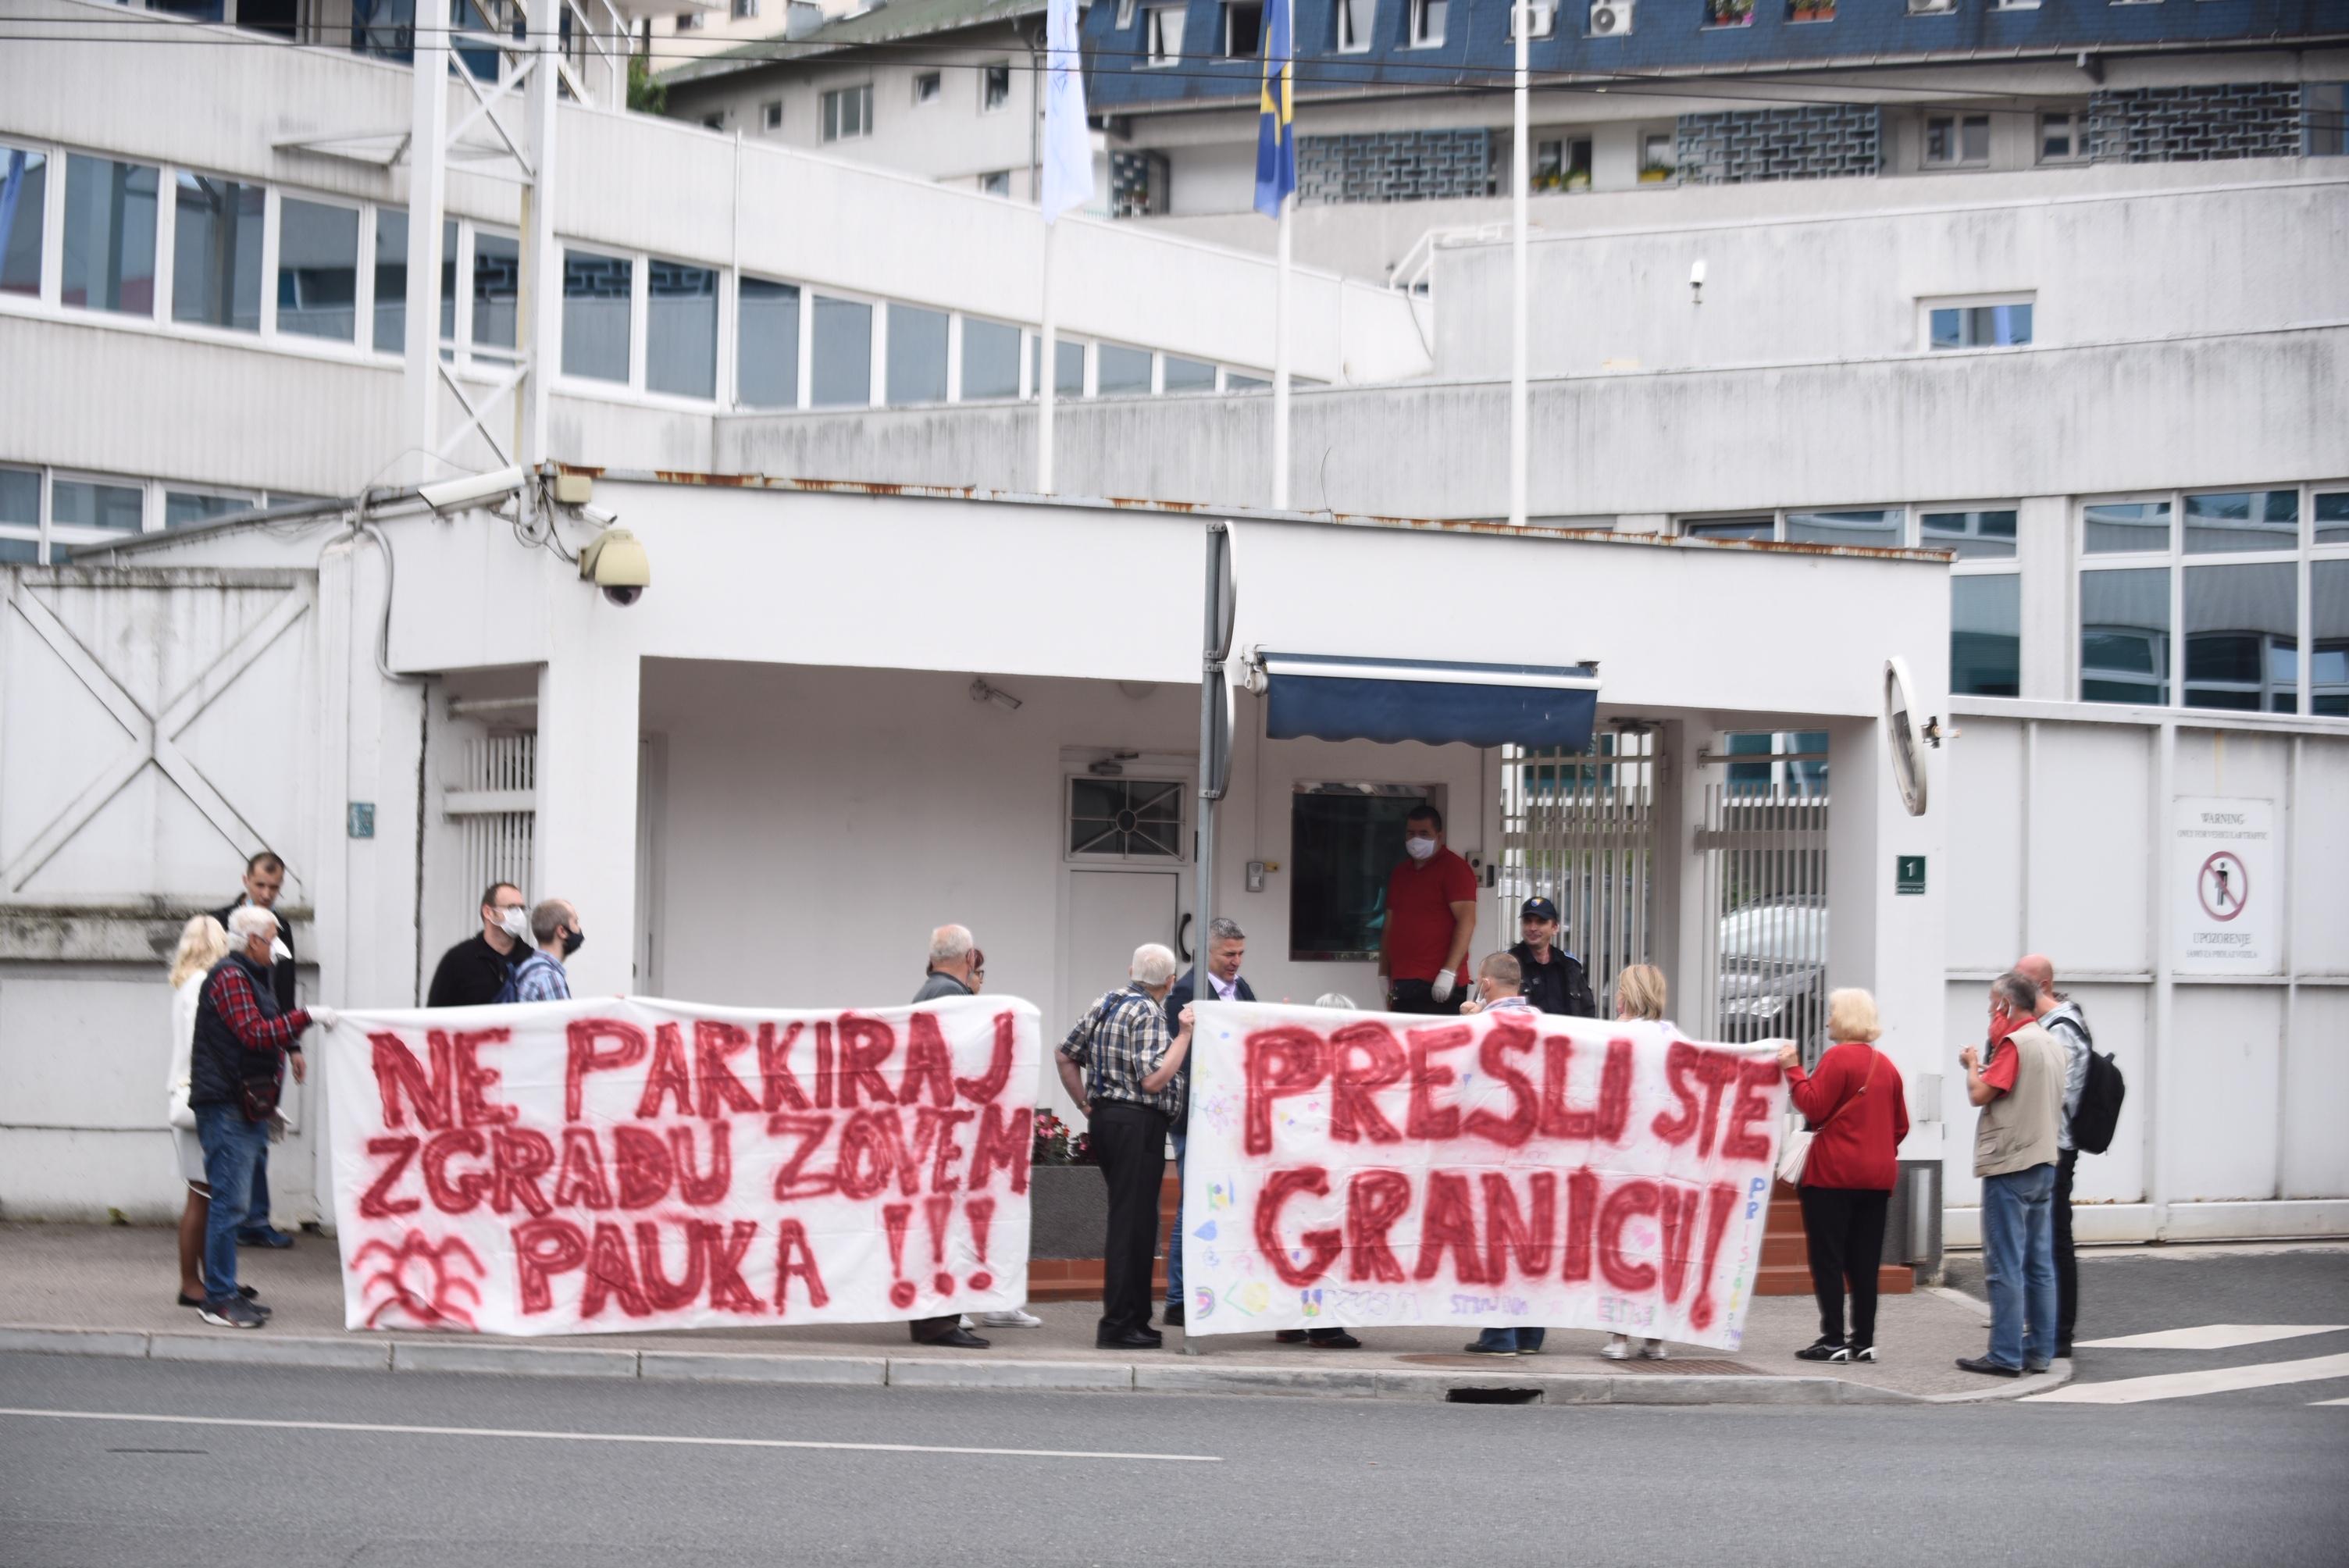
(1979, 326)
(23, 198)
(95, 504)
(1427, 23)
(597, 294)
(1810, 10)
(918, 356)
(745, 9)
(1117, 369)
(1880, 528)
(1125, 818)
(848, 113)
(1729, 13)
(2332, 519)
(1954, 141)
(497, 295)
(770, 116)
(680, 329)
(1243, 28)
(317, 269)
(1541, 19)
(1162, 39)
(2129, 527)
(1930, 7)
(1124, 15)
(1235, 382)
(2060, 137)
(391, 280)
(1986, 635)
(1356, 20)
(216, 252)
(1798, 766)
(2324, 106)
(1189, 375)
(1659, 157)
(689, 20)
(928, 87)
(1343, 841)
(110, 238)
(991, 360)
(843, 372)
(20, 516)
(1562, 165)
(714, 121)
(186, 508)
(1069, 366)
(1732, 528)
(766, 344)
(993, 85)
(2240, 520)
(1974, 535)
(2242, 637)
(2328, 667)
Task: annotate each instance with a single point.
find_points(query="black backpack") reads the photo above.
(2100, 1105)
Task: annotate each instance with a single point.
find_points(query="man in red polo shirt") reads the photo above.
(1431, 916)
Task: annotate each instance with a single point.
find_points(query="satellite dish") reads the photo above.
(1902, 734)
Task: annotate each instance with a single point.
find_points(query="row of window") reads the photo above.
(846, 114)
(45, 513)
(234, 256)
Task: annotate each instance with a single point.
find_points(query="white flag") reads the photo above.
(1067, 145)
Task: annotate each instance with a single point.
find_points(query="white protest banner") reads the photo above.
(1509, 1170)
(592, 1166)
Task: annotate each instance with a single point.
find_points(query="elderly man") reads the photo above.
(1122, 1067)
(2019, 1091)
(236, 1068)
(541, 977)
(1226, 945)
(958, 968)
(265, 878)
(2061, 1018)
(1431, 919)
(472, 972)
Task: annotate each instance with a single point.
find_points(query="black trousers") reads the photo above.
(2067, 1263)
(1415, 996)
(1845, 1226)
(1130, 1142)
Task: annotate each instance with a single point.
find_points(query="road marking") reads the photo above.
(596, 1437)
(2186, 1385)
(2212, 1337)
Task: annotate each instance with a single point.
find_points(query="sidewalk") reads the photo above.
(108, 1290)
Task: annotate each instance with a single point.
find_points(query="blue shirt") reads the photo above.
(540, 979)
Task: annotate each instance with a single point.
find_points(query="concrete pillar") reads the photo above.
(585, 846)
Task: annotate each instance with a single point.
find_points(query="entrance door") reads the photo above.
(1109, 913)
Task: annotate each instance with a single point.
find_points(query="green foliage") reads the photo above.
(646, 96)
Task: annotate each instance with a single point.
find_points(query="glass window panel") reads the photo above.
(1239, 383)
(1878, 529)
(767, 345)
(1126, 818)
(1986, 635)
(2241, 521)
(1189, 375)
(1973, 141)
(1731, 528)
(918, 356)
(1119, 369)
(991, 360)
(2242, 637)
(182, 509)
(2328, 630)
(390, 280)
(317, 269)
(87, 503)
(17, 551)
(2124, 635)
(109, 238)
(216, 252)
(2332, 519)
(842, 373)
(447, 282)
(2126, 527)
(1069, 359)
(1974, 535)
(1343, 843)
(596, 304)
(497, 293)
(20, 497)
(681, 329)
(24, 191)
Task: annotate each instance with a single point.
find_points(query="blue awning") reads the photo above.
(1323, 698)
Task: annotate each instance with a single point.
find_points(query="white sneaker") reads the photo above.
(1617, 1348)
(1015, 1318)
(1653, 1350)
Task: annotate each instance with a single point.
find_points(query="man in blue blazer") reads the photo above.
(1226, 945)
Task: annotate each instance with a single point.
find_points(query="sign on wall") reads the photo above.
(1507, 1170)
(594, 1166)
(2226, 894)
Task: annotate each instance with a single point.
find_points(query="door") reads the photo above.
(1109, 913)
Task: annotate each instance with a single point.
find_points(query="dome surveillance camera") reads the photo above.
(624, 594)
(616, 563)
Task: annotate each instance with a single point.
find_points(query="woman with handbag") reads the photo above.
(1857, 1112)
(202, 943)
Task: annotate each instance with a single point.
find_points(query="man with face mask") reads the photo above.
(237, 1060)
(1430, 918)
(472, 972)
(265, 878)
(541, 977)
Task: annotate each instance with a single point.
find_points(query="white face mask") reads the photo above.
(1417, 848)
(279, 952)
(515, 922)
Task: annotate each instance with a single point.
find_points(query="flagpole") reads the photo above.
(1521, 175)
(1280, 283)
(1047, 366)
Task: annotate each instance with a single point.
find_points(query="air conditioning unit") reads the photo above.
(1611, 18)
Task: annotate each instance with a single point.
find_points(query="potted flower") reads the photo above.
(1810, 10)
(1068, 1200)
(1655, 173)
(1729, 13)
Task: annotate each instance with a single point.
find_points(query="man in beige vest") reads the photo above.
(2019, 1089)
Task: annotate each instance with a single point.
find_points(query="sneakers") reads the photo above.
(1987, 1367)
(1014, 1318)
(1863, 1353)
(1653, 1350)
(1617, 1348)
(1172, 1317)
(1824, 1350)
(236, 1314)
(1478, 1347)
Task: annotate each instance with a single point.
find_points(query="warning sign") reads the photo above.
(2227, 895)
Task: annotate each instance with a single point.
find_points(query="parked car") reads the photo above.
(1773, 973)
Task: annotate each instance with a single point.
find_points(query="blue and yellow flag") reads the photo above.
(1276, 132)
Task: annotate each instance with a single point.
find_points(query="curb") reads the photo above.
(1170, 1376)
(2058, 1373)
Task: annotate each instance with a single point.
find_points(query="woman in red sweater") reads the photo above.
(1857, 1109)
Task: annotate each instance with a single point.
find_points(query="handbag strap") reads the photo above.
(1874, 1056)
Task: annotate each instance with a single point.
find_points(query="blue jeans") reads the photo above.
(1175, 1238)
(2019, 1255)
(1511, 1338)
(256, 1209)
(233, 1150)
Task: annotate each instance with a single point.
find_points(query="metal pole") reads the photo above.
(1520, 176)
(1047, 356)
(1280, 365)
(419, 389)
(542, 263)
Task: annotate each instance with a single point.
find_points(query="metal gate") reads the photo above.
(495, 806)
(1764, 976)
(1580, 830)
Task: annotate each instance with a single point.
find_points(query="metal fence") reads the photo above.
(1764, 977)
(1582, 831)
(494, 807)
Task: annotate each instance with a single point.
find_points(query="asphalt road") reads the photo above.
(1205, 1479)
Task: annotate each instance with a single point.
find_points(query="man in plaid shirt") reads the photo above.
(1119, 1065)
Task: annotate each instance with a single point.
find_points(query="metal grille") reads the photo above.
(1582, 831)
(1765, 887)
(500, 772)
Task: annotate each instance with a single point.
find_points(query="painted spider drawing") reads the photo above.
(415, 1275)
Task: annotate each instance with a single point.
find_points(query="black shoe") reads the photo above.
(2064, 1351)
(1334, 1339)
(1132, 1339)
(1289, 1335)
(1863, 1353)
(1987, 1367)
(231, 1313)
(277, 1239)
(1824, 1349)
(1172, 1317)
(2036, 1371)
(245, 1291)
(1478, 1347)
(957, 1339)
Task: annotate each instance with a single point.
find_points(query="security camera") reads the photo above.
(1696, 282)
(447, 495)
(616, 563)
